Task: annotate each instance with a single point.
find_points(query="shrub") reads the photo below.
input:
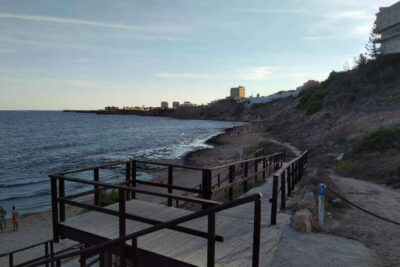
(312, 99)
(382, 139)
(108, 197)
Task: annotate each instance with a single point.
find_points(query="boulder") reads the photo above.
(308, 202)
(302, 221)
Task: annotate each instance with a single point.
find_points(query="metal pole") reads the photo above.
(283, 191)
(321, 210)
(133, 194)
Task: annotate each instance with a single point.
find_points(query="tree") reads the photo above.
(373, 51)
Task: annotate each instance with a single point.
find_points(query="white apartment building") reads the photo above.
(388, 26)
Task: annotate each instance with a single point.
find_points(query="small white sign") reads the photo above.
(241, 151)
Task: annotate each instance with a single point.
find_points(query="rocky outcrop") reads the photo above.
(302, 221)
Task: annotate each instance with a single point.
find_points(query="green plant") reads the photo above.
(382, 139)
(108, 197)
(312, 99)
(251, 147)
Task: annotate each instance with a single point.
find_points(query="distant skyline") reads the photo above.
(87, 54)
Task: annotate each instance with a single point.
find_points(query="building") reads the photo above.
(164, 105)
(188, 104)
(238, 93)
(388, 26)
(175, 104)
(111, 108)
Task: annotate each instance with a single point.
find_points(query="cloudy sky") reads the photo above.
(85, 54)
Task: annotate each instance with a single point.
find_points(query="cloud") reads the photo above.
(247, 74)
(87, 23)
(256, 73)
(278, 11)
(186, 75)
(349, 14)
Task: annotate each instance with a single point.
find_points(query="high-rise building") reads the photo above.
(164, 105)
(175, 104)
(388, 26)
(238, 93)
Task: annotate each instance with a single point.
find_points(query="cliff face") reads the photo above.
(330, 118)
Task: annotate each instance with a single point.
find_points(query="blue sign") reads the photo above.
(241, 165)
(321, 189)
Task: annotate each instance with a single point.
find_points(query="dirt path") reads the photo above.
(380, 236)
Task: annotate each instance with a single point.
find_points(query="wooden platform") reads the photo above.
(235, 225)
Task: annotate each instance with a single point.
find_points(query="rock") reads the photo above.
(302, 221)
(309, 196)
(340, 157)
(308, 202)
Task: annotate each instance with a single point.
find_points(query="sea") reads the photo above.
(34, 144)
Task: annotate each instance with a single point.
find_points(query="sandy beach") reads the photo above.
(35, 228)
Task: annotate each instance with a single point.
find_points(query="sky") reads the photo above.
(87, 54)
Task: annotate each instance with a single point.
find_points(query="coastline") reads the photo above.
(37, 227)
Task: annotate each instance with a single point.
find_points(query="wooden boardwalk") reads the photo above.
(235, 225)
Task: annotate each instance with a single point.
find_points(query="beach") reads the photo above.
(35, 228)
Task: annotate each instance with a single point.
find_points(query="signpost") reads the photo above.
(321, 193)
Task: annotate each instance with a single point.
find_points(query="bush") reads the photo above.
(382, 139)
(312, 99)
(108, 197)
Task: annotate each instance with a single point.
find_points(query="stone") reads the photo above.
(308, 202)
(340, 157)
(302, 221)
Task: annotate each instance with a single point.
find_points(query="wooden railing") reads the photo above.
(48, 254)
(210, 211)
(284, 180)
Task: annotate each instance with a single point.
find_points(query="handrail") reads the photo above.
(128, 161)
(244, 161)
(25, 248)
(117, 241)
(133, 189)
(284, 180)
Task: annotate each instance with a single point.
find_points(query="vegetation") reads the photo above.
(251, 147)
(108, 197)
(313, 99)
(382, 139)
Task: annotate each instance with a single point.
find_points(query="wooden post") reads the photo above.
(46, 253)
(96, 193)
(255, 170)
(231, 178)
(62, 204)
(170, 182)
(128, 178)
(292, 176)
(54, 208)
(264, 165)
(206, 185)
(134, 256)
(219, 180)
(283, 191)
(82, 259)
(256, 232)
(246, 173)
(122, 225)
(211, 240)
(289, 182)
(11, 260)
(274, 200)
(52, 253)
(133, 177)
